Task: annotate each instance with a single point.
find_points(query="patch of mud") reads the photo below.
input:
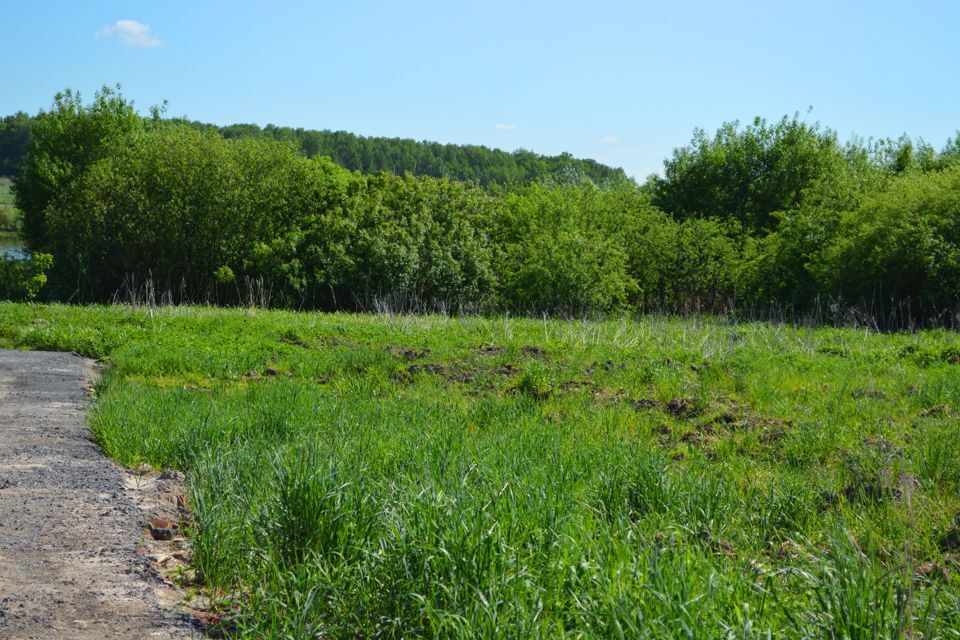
(880, 488)
(449, 373)
(938, 411)
(607, 365)
(489, 350)
(683, 408)
(575, 386)
(932, 570)
(709, 422)
(533, 352)
(408, 354)
(294, 339)
(268, 372)
(457, 372)
(883, 445)
(699, 436)
(433, 368)
(718, 545)
(950, 542)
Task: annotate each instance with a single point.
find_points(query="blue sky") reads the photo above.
(622, 82)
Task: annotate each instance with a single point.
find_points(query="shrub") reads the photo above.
(23, 279)
(901, 244)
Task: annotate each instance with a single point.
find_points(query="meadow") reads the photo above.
(649, 477)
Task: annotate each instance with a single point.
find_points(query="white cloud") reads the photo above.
(609, 139)
(505, 127)
(130, 33)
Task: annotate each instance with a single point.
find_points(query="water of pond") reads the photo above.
(11, 246)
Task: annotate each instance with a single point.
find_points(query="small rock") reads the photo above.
(162, 529)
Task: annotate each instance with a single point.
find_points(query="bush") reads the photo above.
(176, 206)
(64, 142)
(780, 268)
(420, 241)
(746, 174)
(9, 219)
(565, 249)
(23, 279)
(901, 244)
(768, 214)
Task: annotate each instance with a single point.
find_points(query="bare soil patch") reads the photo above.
(69, 529)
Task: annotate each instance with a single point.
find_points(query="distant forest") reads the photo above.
(770, 216)
(370, 155)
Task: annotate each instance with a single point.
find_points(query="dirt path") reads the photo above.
(69, 566)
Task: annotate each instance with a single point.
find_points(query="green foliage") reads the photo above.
(10, 218)
(539, 478)
(420, 239)
(902, 243)
(465, 163)
(746, 174)
(897, 244)
(371, 155)
(704, 269)
(65, 141)
(23, 279)
(779, 268)
(560, 250)
(771, 214)
(14, 138)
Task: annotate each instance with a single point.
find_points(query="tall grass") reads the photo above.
(419, 476)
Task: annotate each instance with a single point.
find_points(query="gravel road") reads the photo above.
(69, 533)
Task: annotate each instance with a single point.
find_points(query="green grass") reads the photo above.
(394, 476)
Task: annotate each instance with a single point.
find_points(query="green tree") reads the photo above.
(901, 244)
(421, 241)
(65, 141)
(14, 138)
(746, 174)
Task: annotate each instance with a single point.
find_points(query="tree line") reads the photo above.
(370, 155)
(768, 214)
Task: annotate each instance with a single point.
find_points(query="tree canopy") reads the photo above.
(768, 215)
